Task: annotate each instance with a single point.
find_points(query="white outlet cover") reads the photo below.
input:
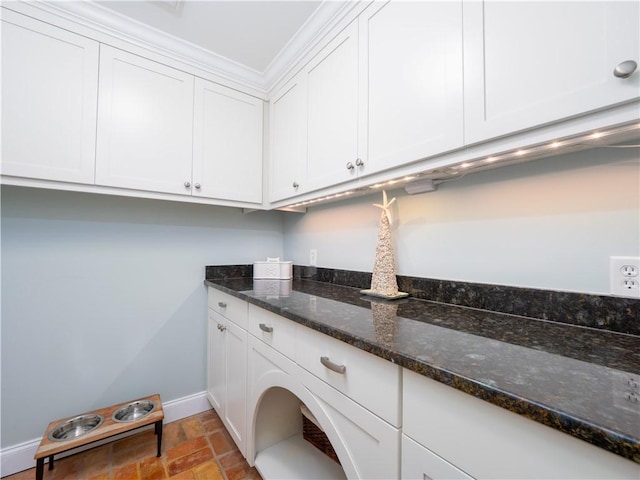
(623, 276)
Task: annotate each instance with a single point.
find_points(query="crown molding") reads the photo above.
(101, 19)
(317, 26)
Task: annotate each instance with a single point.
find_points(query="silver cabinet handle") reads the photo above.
(295, 185)
(265, 328)
(187, 184)
(222, 304)
(625, 69)
(197, 185)
(341, 369)
(350, 166)
(359, 162)
(221, 327)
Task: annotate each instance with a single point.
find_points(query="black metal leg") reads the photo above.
(40, 468)
(158, 429)
(50, 462)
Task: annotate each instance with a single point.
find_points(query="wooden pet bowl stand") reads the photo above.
(108, 428)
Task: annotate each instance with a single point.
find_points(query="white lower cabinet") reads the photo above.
(371, 444)
(227, 374)
(371, 381)
(258, 382)
(419, 463)
(486, 441)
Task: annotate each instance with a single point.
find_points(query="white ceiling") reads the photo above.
(250, 32)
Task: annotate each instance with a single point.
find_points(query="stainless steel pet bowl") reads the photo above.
(76, 427)
(134, 411)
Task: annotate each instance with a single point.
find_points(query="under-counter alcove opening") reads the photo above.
(281, 450)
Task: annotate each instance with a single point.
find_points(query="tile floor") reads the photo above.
(194, 448)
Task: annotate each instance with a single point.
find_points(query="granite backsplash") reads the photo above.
(616, 314)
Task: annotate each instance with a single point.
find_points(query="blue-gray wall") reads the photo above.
(550, 224)
(103, 298)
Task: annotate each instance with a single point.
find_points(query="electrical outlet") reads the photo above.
(624, 275)
(313, 257)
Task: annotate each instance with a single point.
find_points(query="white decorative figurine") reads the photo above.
(383, 279)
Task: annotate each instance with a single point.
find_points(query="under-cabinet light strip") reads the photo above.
(594, 139)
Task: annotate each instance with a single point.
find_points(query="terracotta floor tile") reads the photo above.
(208, 471)
(221, 442)
(185, 448)
(172, 435)
(192, 428)
(230, 459)
(134, 441)
(209, 454)
(152, 469)
(67, 468)
(102, 476)
(187, 462)
(128, 472)
(210, 425)
(242, 472)
(188, 475)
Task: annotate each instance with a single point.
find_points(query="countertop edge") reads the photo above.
(582, 429)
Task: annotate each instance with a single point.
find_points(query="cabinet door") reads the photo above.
(531, 63)
(289, 140)
(216, 362)
(418, 463)
(227, 144)
(145, 119)
(49, 97)
(411, 81)
(236, 384)
(332, 82)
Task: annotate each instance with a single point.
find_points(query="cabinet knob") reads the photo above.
(295, 185)
(222, 328)
(187, 184)
(625, 69)
(350, 166)
(197, 185)
(359, 162)
(222, 304)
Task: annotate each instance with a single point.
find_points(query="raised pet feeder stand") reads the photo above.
(80, 430)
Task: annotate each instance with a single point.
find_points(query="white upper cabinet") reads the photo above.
(411, 81)
(145, 124)
(532, 63)
(332, 116)
(288, 161)
(49, 96)
(227, 144)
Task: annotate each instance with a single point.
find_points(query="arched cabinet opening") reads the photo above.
(283, 442)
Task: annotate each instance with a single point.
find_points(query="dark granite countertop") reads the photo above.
(568, 377)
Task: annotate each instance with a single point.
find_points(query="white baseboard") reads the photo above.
(20, 457)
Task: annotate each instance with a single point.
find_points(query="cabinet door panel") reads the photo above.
(531, 63)
(215, 362)
(418, 463)
(289, 140)
(227, 144)
(236, 384)
(332, 80)
(411, 80)
(49, 97)
(145, 120)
